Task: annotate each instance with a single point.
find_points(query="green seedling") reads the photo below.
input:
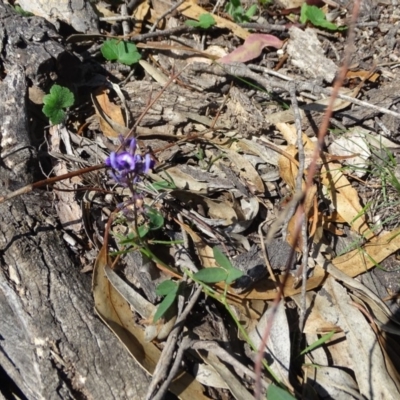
(318, 342)
(155, 221)
(54, 103)
(317, 17)
(19, 10)
(205, 21)
(238, 13)
(225, 273)
(121, 51)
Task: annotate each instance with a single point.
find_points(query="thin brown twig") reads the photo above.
(49, 181)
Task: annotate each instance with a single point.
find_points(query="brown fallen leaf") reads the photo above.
(113, 111)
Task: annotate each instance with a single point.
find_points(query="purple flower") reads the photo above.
(127, 166)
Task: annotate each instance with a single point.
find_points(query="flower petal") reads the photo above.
(132, 146)
(113, 160)
(148, 163)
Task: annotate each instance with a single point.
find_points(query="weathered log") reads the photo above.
(52, 346)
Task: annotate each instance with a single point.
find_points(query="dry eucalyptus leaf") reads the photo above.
(368, 361)
(331, 381)
(316, 322)
(278, 344)
(208, 376)
(266, 153)
(183, 180)
(246, 171)
(249, 210)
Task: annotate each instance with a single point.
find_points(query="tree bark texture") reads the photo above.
(52, 346)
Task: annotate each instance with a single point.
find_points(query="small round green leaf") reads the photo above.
(59, 97)
(119, 50)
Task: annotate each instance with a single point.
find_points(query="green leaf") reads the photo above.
(277, 393)
(221, 259)
(251, 11)
(131, 238)
(316, 16)
(237, 12)
(233, 274)
(166, 287)
(205, 21)
(59, 98)
(19, 10)
(119, 50)
(318, 342)
(211, 275)
(156, 219)
(164, 306)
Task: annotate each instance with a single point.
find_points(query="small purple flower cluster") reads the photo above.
(127, 166)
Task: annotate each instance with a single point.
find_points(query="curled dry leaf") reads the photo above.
(251, 48)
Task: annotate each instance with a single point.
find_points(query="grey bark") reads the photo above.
(52, 345)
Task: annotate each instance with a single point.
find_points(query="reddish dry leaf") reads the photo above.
(251, 48)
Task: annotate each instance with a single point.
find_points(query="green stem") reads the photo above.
(222, 299)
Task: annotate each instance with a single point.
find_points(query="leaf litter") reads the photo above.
(239, 192)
